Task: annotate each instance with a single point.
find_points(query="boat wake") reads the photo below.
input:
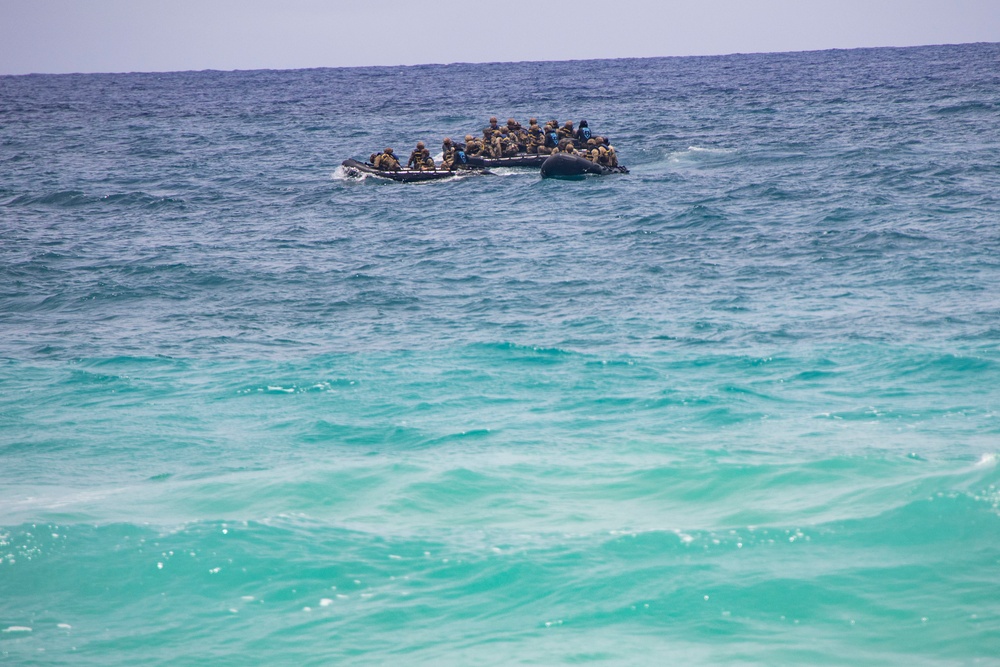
(699, 155)
(342, 173)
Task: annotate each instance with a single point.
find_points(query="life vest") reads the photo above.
(461, 158)
(552, 139)
(585, 133)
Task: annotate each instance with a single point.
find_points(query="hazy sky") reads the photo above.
(165, 35)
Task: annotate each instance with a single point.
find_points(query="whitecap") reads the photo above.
(353, 175)
(987, 460)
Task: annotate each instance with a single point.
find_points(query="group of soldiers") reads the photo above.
(508, 140)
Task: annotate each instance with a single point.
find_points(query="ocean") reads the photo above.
(738, 407)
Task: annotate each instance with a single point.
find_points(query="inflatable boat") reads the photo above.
(356, 168)
(573, 167)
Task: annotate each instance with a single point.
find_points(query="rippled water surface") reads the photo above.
(737, 407)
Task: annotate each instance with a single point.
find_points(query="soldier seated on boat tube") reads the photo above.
(523, 138)
(386, 161)
(426, 161)
(517, 133)
(566, 131)
(606, 155)
(550, 144)
(583, 134)
(536, 138)
(456, 159)
(533, 127)
(416, 157)
(473, 146)
(449, 151)
(496, 145)
(508, 143)
(493, 125)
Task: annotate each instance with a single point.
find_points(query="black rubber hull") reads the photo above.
(405, 175)
(573, 167)
(523, 160)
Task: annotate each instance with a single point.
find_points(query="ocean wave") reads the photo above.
(76, 198)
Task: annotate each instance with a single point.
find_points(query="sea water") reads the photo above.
(737, 407)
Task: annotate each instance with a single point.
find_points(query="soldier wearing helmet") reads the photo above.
(416, 157)
(536, 137)
(448, 149)
(386, 161)
(473, 146)
(550, 141)
(426, 161)
(566, 131)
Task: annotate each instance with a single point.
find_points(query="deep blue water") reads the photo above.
(737, 407)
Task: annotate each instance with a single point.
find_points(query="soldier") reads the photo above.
(386, 161)
(566, 131)
(508, 143)
(473, 146)
(416, 157)
(515, 130)
(602, 156)
(612, 156)
(426, 161)
(535, 138)
(448, 153)
(583, 135)
(496, 143)
(551, 142)
(493, 124)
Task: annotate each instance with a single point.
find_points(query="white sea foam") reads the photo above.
(341, 174)
(17, 628)
(696, 154)
(987, 460)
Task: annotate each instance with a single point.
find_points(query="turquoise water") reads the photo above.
(737, 407)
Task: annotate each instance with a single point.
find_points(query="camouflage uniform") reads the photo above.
(536, 138)
(473, 146)
(416, 156)
(426, 161)
(448, 150)
(496, 144)
(386, 161)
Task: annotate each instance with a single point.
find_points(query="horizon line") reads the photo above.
(496, 62)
